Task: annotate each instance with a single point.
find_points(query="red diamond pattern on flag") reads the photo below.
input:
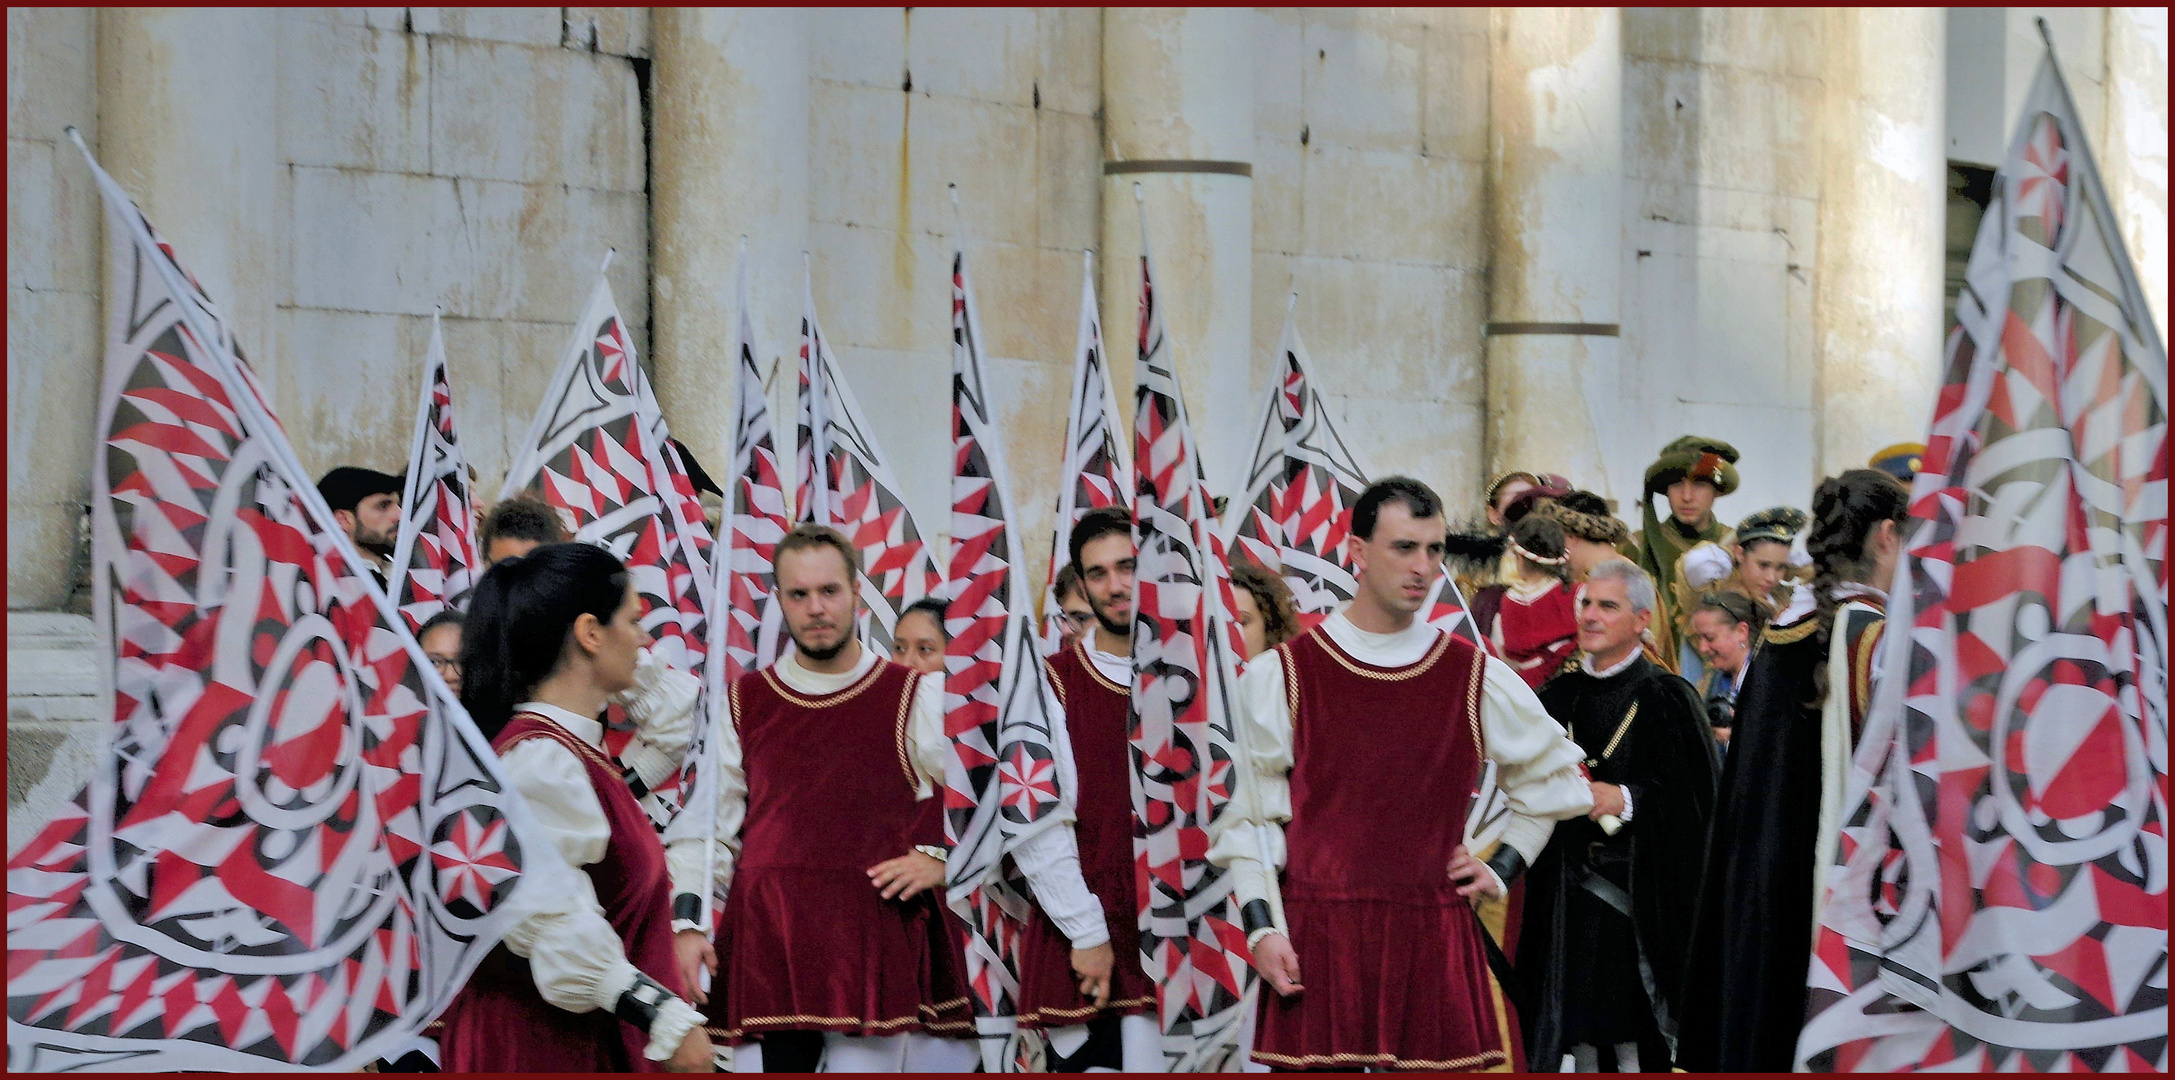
(1097, 470)
(249, 884)
(860, 497)
(748, 633)
(1997, 899)
(435, 554)
(598, 451)
(1001, 711)
(1185, 654)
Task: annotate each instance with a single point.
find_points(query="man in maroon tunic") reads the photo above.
(831, 947)
(1360, 742)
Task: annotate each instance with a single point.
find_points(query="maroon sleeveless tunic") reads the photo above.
(806, 942)
(1096, 716)
(499, 1022)
(1384, 761)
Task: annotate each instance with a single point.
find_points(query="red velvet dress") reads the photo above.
(1096, 716)
(499, 1022)
(1384, 762)
(1535, 637)
(806, 942)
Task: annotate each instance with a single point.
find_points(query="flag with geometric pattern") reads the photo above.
(300, 846)
(1001, 712)
(1097, 471)
(859, 496)
(1185, 667)
(746, 622)
(1998, 899)
(434, 558)
(598, 451)
(1296, 521)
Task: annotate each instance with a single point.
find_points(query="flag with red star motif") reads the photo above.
(1185, 656)
(598, 451)
(1998, 899)
(434, 557)
(1004, 781)
(1097, 470)
(300, 846)
(858, 495)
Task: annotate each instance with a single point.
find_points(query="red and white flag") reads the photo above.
(598, 451)
(1296, 521)
(748, 631)
(1097, 471)
(1185, 655)
(434, 558)
(1998, 899)
(858, 495)
(300, 845)
(1003, 783)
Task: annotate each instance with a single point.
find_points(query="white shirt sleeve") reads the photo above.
(573, 952)
(925, 731)
(1051, 861)
(662, 704)
(1536, 763)
(725, 781)
(1251, 826)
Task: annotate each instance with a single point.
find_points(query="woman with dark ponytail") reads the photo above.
(1776, 823)
(585, 981)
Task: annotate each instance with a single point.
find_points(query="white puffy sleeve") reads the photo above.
(1251, 826)
(688, 850)
(572, 950)
(662, 704)
(1536, 763)
(925, 733)
(1049, 855)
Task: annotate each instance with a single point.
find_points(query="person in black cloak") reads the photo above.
(1601, 955)
(1778, 817)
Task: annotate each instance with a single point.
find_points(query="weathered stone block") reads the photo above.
(55, 340)
(619, 31)
(882, 290)
(1435, 442)
(1026, 296)
(51, 72)
(1456, 103)
(1281, 64)
(503, 112)
(857, 156)
(1071, 40)
(985, 54)
(1393, 206)
(514, 25)
(1069, 191)
(861, 46)
(369, 241)
(906, 397)
(1393, 331)
(349, 387)
(1279, 193)
(504, 367)
(984, 148)
(1362, 87)
(353, 97)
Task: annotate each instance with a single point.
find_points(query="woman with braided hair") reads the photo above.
(1799, 713)
(1527, 617)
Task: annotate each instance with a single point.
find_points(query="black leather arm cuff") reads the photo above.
(639, 1005)
(687, 906)
(1507, 863)
(1255, 916)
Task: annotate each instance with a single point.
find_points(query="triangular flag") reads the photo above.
(1999, 878)
(1097, 470)
(434, 559)
(747, 631)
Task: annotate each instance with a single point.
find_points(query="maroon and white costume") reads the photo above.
(821, 776)
(1360, 752)
(544, 1000)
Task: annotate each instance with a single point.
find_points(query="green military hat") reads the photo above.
(1780, 523)
(1695, 456)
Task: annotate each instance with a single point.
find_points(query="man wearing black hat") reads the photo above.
(1691, 473)
(366, 503)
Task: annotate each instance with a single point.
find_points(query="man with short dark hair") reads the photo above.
(1690, 474)
(1601, 952)
(517, 526)
(366, 503)
(1359, 745)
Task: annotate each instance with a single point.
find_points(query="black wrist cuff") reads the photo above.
(639, 1005)
(635, 782)
(1255, 916)
(1507, 863)
(687, 906)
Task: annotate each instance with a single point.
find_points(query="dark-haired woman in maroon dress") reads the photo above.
(585, 980)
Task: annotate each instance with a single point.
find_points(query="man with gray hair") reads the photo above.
(1608, 902)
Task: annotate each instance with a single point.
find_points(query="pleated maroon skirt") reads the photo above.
(1050, 995)
(1396, 978)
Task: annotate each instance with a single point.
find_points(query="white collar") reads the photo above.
(1118, 669)
(1845, 591)
(1397, 649)
(796, 675)
(586, 728)
(1585, 660)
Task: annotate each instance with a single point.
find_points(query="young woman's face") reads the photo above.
(918, 643)
(1251, 627)
(622, 641)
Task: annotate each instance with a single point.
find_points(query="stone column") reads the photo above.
(1555, 178)
(1877, 289)
(187, 100)
(2135, 157)
(728, 158)
(1178, 118)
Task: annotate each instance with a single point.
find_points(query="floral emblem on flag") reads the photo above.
(254, 881)
(1998, 898)
(435, 553)
(1097, 471)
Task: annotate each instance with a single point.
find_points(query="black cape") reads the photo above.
(1585, 971)
(1744, 991)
